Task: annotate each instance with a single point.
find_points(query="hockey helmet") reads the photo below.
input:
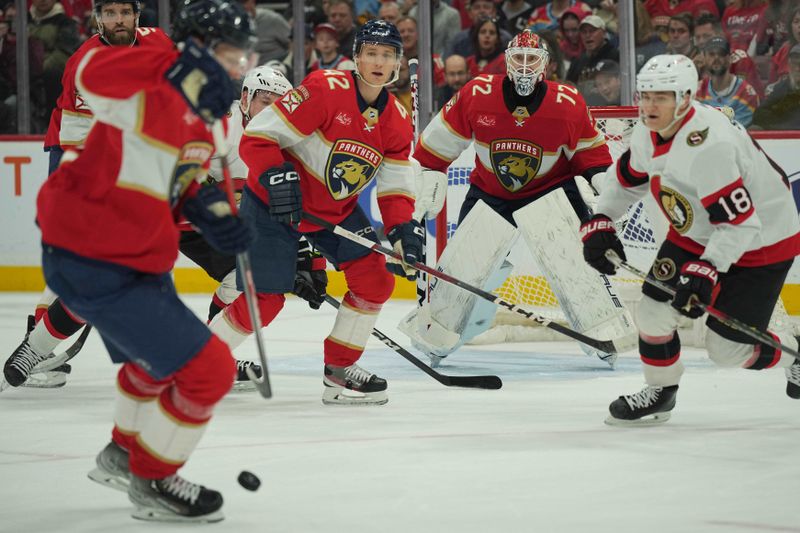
(214, 21)
(667, 72)
(382, 32)
(98, 5)
(264, 78)
(527, 58)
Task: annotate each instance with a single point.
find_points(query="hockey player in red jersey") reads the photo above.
(110, 238)
(315, 150)
(733, 235)
(531, 136)
(118, 25)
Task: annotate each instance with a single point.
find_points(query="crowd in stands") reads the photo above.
(747, 51)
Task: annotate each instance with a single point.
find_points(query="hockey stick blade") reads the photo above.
(764, 337)
(470, 382)
(66, 355)
(607, 346)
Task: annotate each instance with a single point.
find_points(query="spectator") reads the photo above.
(489, 57)
(571, 45)
(661, 11)
(774, 26)
(705, 27)
(327, 48)
(648, 41)
(272, 32)
(390, 12)
(607, 10)
(779, 65)
(546, 17)
(59, 36)
(781, 109)
(741, 21)
(456, 75)
(401, 88)
(407, 27)
(479, 10)
(596, 48)
(722, 88)
(517, 13)
(680, 30)
(606, 83)
(286, 67)
(340, 14)
(446, 25)
(554, 71)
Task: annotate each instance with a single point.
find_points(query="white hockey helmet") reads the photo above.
(264, 78)
(526, 61)
(667, 72)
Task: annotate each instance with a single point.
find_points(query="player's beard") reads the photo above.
(120, 39)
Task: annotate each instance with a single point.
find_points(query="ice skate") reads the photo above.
(648, 407)
(352, 385)
(174, 499)
(793, 380)
(242, 382)
(112, 468)
(18, 367)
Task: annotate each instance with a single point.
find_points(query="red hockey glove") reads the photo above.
(599, 236)
(695, 284)
(311, 279)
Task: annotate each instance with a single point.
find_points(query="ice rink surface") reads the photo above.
(534, 456)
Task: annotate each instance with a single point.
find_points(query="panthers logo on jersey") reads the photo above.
(351, 166)
(188, 168)
(677, 208)
(515, 162)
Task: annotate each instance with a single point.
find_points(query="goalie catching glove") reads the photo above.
(695, 284)
(407, 241)
(285, 200)
(210, 212)
(311, 279)
(599, 236)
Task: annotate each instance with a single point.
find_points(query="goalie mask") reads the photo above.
(263, 78)
(526, 61)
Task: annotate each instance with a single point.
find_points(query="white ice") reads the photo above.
(534, 456)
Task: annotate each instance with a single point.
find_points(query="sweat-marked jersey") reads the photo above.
(725, 200)
(71, 119)
(519, 153)
(117, 200)
(338, 144)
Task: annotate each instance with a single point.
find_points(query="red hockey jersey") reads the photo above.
(338, 144)
(516, 156)
(115, 201)
(71, 119)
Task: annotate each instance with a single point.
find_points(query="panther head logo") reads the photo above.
(515, 172)
(347, 177)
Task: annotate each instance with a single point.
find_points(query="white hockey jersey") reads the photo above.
(725, 200)
(236, 125)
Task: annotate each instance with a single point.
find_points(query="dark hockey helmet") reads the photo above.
(214, 21)
(378, 32)
(98, 5)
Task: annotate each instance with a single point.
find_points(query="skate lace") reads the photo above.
(183, 489)
(644, 398)
(793, 373)
(25, 359)
(357, 375)
(242, 365)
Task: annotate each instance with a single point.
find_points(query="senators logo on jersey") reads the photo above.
(351, 166)
(515, 162)
(190, 163)
(677, 209)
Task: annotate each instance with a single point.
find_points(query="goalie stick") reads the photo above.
(471, 382)
(243, 261)
(607, 346)
(764, 337)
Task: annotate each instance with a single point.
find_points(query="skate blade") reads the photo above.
(107, 480)
(243, 386)
(346, 397)
(151, 514)
(4, 384)
(46, 380)
(651, 420)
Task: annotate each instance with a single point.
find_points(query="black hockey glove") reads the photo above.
(202, 82)
(695, 284)
(406, 240)
(285, 200)
(210, 212)
(599, 236)
(311, 279)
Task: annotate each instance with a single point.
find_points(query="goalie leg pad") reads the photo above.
(549, 226)
(475, 255)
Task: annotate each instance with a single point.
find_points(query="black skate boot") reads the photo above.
(793, 380)
(352, 385)
(174, 499)
(242, 380)
(650, 406)
(112, 468)
(18, 367)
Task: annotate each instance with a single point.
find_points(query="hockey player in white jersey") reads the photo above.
(733, 235)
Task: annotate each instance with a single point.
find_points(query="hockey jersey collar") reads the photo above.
(661, 146)
(531, 102)
(380, 102)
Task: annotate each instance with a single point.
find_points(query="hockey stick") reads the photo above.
(243, 260)
(423, 285)
(471, 382)
(607, 346)
(764, 337)
(64, 356)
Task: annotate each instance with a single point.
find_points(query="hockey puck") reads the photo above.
(249, 480)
